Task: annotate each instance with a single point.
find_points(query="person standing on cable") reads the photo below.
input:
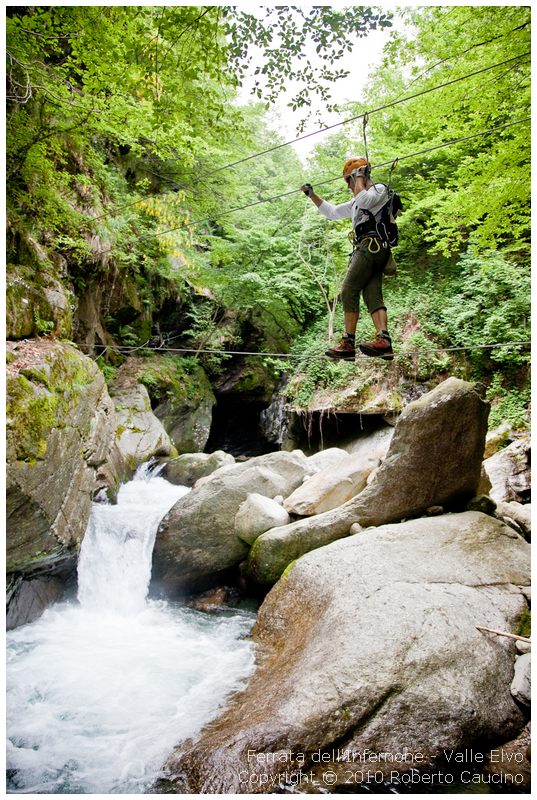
(368, 260)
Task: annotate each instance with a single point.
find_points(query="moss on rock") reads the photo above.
(36, 302)
(59, 432)
(39, 398)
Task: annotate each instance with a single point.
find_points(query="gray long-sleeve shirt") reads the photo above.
(371, 199)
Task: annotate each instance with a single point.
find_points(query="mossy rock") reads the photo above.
(39, 399)
(59, 431)
(36, 302)
(524, 624)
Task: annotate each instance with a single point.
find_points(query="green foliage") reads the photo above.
(476, 191)
(508, 404)
(119, 119)
(286, 36)
(108, 370)
(42, 326)
(312, 370)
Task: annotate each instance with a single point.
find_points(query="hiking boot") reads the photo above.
(380, 347)
(345, 350)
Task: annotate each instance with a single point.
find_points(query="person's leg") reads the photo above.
(358, 274)
(351, 321)
(380, 319)
(382, 345)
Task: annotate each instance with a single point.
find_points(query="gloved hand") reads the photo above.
(307, 188)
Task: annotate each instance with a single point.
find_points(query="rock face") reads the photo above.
(331, 487)
(36, 298)
(509, 472)
(188, 424)
(370, 644)
(180, 394)
(196, 540)
(139, 434)
(186, 469)
(434, 459)
(60, 429)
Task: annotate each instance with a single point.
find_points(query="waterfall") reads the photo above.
(100, 690)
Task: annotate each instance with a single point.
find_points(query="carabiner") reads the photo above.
(373, 252)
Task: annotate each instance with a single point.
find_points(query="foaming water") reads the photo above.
(100, 691)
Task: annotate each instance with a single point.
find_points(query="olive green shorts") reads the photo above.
(364, 276)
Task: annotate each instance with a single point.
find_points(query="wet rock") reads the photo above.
(28, 598)
(186, 469)
(215, 600)
(364, 644)
(434, 459)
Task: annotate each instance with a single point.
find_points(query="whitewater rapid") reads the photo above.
(100, 690)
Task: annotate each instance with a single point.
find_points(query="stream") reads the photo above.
(100, 689)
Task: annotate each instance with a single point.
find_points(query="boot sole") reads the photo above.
(376, 354)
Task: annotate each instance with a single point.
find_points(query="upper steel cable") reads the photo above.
(364, 115)
(318, 183)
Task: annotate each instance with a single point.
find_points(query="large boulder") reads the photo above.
(325, 459)
(139, 434)
(374, 443)
(370, 645)
(509, 472)
(60, 427)
(332, 486)
(186, 469)
(434, 459)
(188, 423)
(197, 541)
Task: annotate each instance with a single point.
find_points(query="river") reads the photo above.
(101, 688)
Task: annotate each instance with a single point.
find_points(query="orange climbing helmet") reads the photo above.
(357, 165)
